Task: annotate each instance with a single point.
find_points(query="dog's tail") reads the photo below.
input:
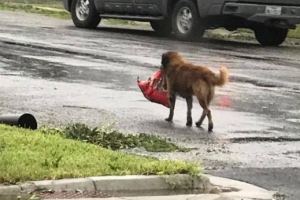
(222, 78)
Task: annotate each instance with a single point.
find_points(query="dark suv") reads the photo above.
(188, 19)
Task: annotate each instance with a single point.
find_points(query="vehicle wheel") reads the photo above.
(84, 14)
(163, 28)
(270, 36)
(186, 22)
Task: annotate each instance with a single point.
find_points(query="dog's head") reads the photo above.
(170, 59)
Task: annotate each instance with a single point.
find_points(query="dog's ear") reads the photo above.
(165, 60)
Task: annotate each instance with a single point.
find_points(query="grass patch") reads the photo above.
(122, 22)
(32, 155)
(49, 5)
(239, 34)
(54, 11)
(295, 33)
(291, 34)
(107, 137)
(244, 34)
(35, 1)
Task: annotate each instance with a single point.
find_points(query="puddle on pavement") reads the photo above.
(255, 82)
(263, 139)
(296, 121)
(74, 61)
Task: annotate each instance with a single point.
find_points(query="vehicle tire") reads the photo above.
(163, 27)
(186, 22)
(84, 14)
(270, 36)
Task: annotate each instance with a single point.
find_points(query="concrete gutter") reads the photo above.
(212, 187)
(243, 190)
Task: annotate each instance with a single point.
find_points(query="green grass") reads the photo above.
(246, 34)
(35, 1)
(236, 35)
(31, 155)
(51, 9)
(49, 5)
(292, 33)
(295, 33)
(44, 9)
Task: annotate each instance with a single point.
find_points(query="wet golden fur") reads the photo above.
(187, 80)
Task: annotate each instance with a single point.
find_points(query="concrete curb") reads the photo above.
(227, 188)
(109, 184)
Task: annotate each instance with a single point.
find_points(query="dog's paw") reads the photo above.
(168, 119)
(198, 124)
(210, 127)
(189, 123)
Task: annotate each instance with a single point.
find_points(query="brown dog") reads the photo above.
(186, 79)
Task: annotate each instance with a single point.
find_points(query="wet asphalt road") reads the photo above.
(62, 74)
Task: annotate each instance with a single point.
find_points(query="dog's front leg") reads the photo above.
(172, 100)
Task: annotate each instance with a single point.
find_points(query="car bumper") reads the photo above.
(289, 15)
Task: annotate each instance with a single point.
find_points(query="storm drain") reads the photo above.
(72, 195)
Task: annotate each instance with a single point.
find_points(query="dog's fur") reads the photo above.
(186, 79)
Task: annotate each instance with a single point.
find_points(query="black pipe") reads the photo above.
(21, 120)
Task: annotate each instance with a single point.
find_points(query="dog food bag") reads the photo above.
(154, 89)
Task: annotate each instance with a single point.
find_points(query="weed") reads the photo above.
(110, 138)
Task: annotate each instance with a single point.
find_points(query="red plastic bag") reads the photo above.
(154, 90)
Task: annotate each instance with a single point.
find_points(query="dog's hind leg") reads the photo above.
(201, 92)
(204, 112)
(210, 122)
(189, 101)
(210, 97)
(172, 100)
